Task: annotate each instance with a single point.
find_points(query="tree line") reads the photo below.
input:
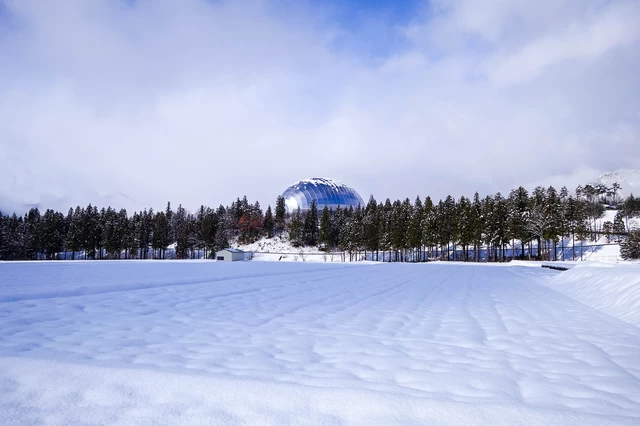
(109, 234)
(493, 228)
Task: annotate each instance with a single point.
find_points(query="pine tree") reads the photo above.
(630, 209)
(15, 231)
(130, 235)
(122, 232)
(618, 227)
(357, 231)
(487, 235)
(32, 236)
(222, 232)
(311, 225)
(576, 220)
(607, 228)
(296, 230)
(181, 227)
(338, 221)
(615, 188)
(371, 225)
(209, 228)
(564, 226)
(465, 226)
(326, 232)
(170, 231)
(74, 231)
(630, 247)
(160, 234)
(280, 215)
(3, 237)
(477, 226)
(429, 234)
(386, 217)
(268, 226)
(398, 229)
(553, 212)
(538, 217)
(414, 233)
(519, 216)
(448, 225)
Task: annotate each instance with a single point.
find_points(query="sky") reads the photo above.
(135, 103)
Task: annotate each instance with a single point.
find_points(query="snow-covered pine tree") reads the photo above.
(618, 227)
(630, 246)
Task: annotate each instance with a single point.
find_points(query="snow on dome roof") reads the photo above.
(327, 192)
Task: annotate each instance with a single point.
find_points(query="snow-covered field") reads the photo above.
(135, 342)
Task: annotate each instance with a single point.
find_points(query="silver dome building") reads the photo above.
(326, 192)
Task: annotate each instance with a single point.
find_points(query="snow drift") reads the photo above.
(613, 289)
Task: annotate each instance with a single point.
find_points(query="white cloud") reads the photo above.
(587, 39)
(201, 102)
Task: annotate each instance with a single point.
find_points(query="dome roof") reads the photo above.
(326, 192)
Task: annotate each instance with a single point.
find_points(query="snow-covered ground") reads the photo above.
(611, 289)
(305, 343)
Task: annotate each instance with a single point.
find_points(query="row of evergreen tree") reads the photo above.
(109, 234)
(494, 227)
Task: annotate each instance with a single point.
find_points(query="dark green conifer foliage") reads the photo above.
(280, 215)
(630, 246)
(326, 231)
(414, 233)
(371, 227)
(311, 225)
(268, 225)
(618, 227)
(296, 229)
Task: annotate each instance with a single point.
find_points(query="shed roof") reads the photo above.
(232, 250)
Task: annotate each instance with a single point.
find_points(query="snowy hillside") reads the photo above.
(280, 249)
(628, 179)
(144, 342)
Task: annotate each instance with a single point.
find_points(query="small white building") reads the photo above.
(229, 255)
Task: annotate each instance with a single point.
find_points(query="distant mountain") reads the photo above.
(629, 180)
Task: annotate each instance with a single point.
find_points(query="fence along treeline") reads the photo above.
(532, 225)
